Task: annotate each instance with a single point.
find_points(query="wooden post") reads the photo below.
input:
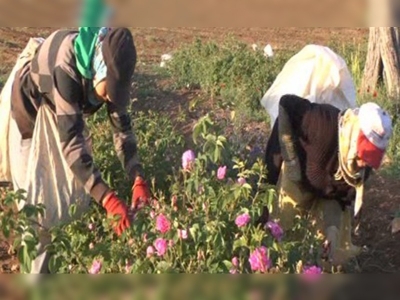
(383, 61)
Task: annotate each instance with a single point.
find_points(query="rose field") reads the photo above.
(201, 132)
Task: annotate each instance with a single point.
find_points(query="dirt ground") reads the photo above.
(382, 200)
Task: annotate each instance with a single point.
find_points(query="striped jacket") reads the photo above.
(315, 130)
(53, 78)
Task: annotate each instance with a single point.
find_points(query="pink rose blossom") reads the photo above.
(150, 251)
(161, 246)
(182, 234)
(96, 268)
(188, 159)
(235, 262)
(163, 225)
(152, 214)
(259, 260)
(276, 230)
(242, 181)
(312, 273)
(222, 173)
(243, 220)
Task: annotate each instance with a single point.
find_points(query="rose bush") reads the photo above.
(199, 222)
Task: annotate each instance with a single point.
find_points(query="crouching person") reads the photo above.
(47, 152)
(320, 158)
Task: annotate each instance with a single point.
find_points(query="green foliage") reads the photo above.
(23, 226)
(160, 144)
(231, 71)
(195, 201)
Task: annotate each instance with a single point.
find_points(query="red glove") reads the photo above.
(116, 207)
(141, 194)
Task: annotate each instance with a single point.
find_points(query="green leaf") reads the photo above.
(72, 210)
(54, 264)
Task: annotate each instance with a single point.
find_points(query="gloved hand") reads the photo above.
(140, 193)
(116, 207)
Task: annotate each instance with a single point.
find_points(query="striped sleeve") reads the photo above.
(68, 93)
(125, 141)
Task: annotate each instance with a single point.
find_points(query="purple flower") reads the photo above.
(187, 160)
(276, 230)
(222, 173)
(259, 260)
(242, 181)
(243, 220)
(96, 268)
(163, 224)
(312, 273)
(161, 246)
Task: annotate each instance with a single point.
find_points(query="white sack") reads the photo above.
(5, 107)
(317, 74)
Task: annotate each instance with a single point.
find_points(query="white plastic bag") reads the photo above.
(317, 74)
(5, 107)
(40, 168)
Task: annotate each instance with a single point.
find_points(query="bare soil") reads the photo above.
(382, 200)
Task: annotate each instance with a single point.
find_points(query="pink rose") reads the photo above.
(259, 260)
(150, 251)
(152, 214)
(235, 262)
(163, 225)
(233, 271)
(242, 181)
(188, 159)
(161, 246)
(243, 220)
(96, 268)
(312, 273)
(221, 173)
(182, 234)
(276, 230)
